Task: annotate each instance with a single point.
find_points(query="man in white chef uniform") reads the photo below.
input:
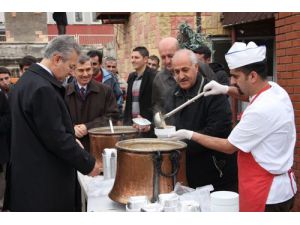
(265, 136)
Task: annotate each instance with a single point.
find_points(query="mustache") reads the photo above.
(239, 89)
(183, 79)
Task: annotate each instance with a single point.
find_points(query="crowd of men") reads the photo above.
(46, 115)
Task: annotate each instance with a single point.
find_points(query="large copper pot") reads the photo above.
(102, 137)
(148, 166)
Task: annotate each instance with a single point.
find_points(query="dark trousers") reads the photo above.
(281, 207)
(61, 29)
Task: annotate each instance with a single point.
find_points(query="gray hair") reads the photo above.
(62, 44)
(191, 55)
(110, 58)
(83, 59)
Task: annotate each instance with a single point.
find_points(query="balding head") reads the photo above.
(167, 48)
(185, 54)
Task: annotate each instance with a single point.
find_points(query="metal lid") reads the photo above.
(118, 130)
(150, 145)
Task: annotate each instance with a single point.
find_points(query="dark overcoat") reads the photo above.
(4, 128)
(44, 154)
(209, 115)
(94, 110)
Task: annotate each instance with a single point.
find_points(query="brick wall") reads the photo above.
(211, 23)
(83, 29)
(287, 27)
(146, 29)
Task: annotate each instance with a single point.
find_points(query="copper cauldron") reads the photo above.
(148, 166)
(102, 137)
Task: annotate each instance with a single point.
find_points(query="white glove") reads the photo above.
(214, 88)
(181, 135)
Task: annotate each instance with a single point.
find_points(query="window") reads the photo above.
(94, 18)
(78, 17)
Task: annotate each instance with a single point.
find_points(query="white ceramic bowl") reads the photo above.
(168, 200)
(164, 132)
(137, 202)
(152, 207)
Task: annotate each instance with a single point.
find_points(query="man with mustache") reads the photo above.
(265, 136)
(210, 116)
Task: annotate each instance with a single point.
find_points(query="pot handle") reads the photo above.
(174, 158)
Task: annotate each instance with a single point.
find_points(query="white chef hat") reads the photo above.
(241, 54)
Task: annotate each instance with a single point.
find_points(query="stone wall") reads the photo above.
(26, 27)
(11, 53)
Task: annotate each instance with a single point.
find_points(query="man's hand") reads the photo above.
(80, 130)
(141, 128)
(96, 170)
(214, 88)
(181, 135)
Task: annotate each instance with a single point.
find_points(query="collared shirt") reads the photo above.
(46, 68)
(81, 90)
(135, 96)
(79, 86)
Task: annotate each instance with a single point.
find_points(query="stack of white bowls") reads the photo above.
(224, 201)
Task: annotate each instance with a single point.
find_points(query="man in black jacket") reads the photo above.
(208, 116)
(4, 141)
(45, 155)
(203, 54)
(139, 91)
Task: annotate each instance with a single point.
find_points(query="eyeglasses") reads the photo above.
(4, 78)
(113, 67)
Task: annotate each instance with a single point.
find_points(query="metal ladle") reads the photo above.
(111, 126)
(159, 118)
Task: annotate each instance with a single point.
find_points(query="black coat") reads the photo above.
(209, 115)
(4, 128)
(60, 18)
(44, 154)
(222, 76)
(145, 98)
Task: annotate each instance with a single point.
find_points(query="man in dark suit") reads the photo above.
(45, 155)
(139, 92)
(4, 141)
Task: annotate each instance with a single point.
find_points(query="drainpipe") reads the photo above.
(198, 22)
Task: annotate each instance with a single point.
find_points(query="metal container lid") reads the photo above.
(118, 130)
(149, 145)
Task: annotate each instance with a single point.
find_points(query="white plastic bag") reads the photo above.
(200, 195)
(99, 187)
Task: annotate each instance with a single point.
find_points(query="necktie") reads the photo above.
(82, 93)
